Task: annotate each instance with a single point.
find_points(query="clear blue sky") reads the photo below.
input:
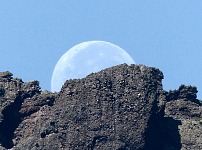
(164, 34)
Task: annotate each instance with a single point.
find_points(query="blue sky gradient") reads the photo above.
(159, 33)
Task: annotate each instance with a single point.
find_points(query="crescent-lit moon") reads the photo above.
(85, 58)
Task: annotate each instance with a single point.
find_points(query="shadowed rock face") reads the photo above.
(122, 107)
(19, 103)
(184, 107)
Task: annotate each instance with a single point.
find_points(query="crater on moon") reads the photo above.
(85, 58)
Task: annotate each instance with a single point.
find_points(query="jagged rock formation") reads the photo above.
(122, 107)
(183, 106)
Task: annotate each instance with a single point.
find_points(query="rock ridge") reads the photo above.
(121, 108)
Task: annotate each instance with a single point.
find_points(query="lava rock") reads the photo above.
(188, 114)
(122, 108)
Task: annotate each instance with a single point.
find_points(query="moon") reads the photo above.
(85, 58)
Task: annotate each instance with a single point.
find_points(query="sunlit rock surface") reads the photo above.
(122, 107)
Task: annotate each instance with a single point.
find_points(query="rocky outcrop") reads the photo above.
(183, 107)
(103, 110)
(19, 101)
(122, 107)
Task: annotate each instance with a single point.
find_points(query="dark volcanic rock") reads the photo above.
(122, 107)
(18, 100)
(186, 109)
(103, 110)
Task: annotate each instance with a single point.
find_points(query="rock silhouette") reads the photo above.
(121, 108)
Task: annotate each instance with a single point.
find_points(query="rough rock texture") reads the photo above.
(184, 108)
(20, 105)
(122, 107)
